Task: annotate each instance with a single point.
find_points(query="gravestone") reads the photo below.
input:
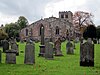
(69, 48)
(5, 45)
(29, 53)
(0, 56)
(14, 46)
(49, 50)
(98, 41)
(21, 41)
(87, 54)
(89, 40)
(81, 40)
(11, 56)
(42, 46)
(76, 40)
(57, 47)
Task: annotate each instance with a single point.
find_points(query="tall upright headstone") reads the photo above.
(57, 47)
(14, 46)
(87, 53)
(48, 50)
(29, 53)
(69, 48)
(42, 46)
(5, 45)
(11, 56)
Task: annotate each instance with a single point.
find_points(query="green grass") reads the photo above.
(64, 65)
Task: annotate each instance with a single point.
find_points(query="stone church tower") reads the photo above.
(67, 15)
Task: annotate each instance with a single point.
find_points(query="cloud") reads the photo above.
(35, 9)
(91, 6)
(31, 9)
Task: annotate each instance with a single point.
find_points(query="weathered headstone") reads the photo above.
(49, 50)
(42, 46)
(87, 54)
(11, 56)
(89, 40)
(0, 56)
(5, 45)
(98, 41)
(76, 40)
(69, 48)
(29, 53)
(14, 46)
(81, 40)
(57, 47)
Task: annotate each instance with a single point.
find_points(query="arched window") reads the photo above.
(57, 30)
(26, 32)
(41, 29)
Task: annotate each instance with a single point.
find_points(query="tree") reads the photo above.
(22, 22)
(90, 32)
(82, 18)
(3, 35)
(12, 30)
(98, 32)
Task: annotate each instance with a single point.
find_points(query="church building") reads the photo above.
(53, 27)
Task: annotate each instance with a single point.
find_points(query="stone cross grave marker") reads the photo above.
(42, 46)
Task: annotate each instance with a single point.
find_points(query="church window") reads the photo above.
(57, 30)
(26, 32)
(66, 16)
(41, 27)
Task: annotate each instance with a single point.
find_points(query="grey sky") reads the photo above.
(33, 10)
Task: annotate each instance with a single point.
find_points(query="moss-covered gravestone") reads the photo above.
(87, 53)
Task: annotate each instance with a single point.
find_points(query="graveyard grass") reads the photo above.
(64, 65)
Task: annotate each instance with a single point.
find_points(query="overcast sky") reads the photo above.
(34, 10)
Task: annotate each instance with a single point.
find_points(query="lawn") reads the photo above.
(64, 65)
